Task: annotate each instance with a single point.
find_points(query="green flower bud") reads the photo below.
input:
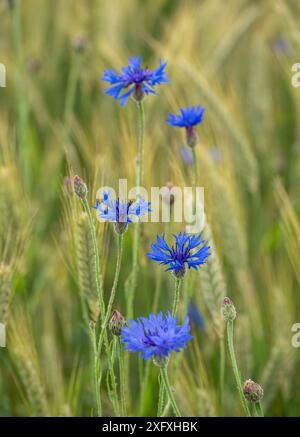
(80, 187)
(116, 323)
(228, 310)
(253, 392)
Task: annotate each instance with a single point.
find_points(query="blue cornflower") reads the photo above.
(188, 118)
(134, 80)
(188, 250)
(156, 336)
(121, 212)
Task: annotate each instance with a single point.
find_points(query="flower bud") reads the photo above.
(34, 65)
(116, 323)
(169, 198)
(79, 43)
(228, 310)
(192, 138)
(253, 392)
(11, 4)
(80, 187)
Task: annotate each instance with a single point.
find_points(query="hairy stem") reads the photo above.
(96, 371)
(222, 372)
(122, 378)
(137, 227)
(235, 367)
(176, 296)
(112, 293)
(165, 379)
(22, 104)
(258, 409)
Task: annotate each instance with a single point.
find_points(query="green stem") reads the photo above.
(100, 291)
(137, 228)
(131, 282)
(21, 90)
(144, 387)
(235, 367)
(195, 166)
(161, 398)
(165, 379)
(122, 378)
(258, 409)
(222, 372)
(112, 293)
(176, 296)
(71, 94)
(99, 279)
(97, 372)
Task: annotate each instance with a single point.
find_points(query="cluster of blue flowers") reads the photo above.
(137, 81)
(157, 335)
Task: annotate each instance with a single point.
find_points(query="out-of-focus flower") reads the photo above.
(156, 336)
(134, 80)
(215, 154)
(79, 43)
(188, 250)
(281, 46)
(187, 155)
(195, 315)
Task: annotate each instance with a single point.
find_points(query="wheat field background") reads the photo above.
(235, 59)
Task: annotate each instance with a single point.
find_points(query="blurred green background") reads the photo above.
(235, 59)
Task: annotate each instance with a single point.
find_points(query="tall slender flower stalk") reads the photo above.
(229, 314)
(122, 378)
(258, 409)
(165, 379)
(71, 94)
(137, 229)
(97, 373)
(222, 372)
(112, 293)
(22, 103)
(81, 190)
(178, 282)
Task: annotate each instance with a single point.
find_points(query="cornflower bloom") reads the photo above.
(121, 212)
(188, 118)
(189, 250)
(156, 336)
(134, 80)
